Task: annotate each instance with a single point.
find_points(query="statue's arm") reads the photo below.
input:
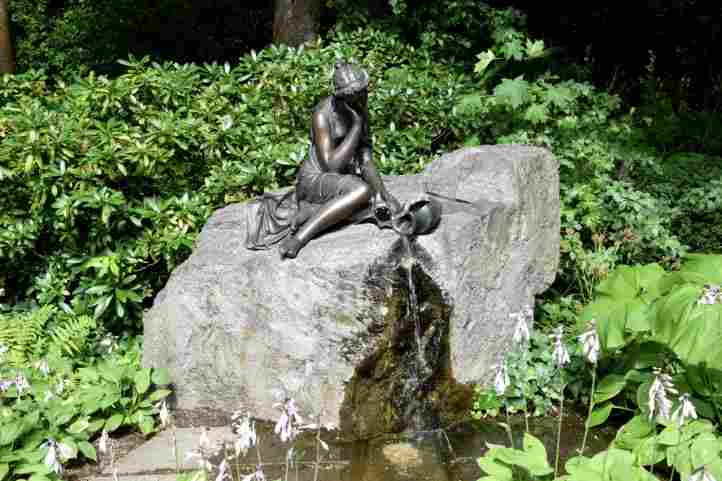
(330, 159)
(372, 177)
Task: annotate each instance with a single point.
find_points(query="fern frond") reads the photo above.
(24, 335)
(72, 334)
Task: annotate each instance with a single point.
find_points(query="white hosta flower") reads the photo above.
(658, 400)
(60, 387)
(501, 379)
(246, 431)
(521, 329)
(590, 343)
(712, 294)
(560, 356)
(685, 410)
(164, 414)
(5, 385)
(65, 451)
(108, 344)
(257, 475)
(42, 366)
(51, 459)
(103, 444)
(701, 474)
(199, 457)
(223, 472)
(204, 442)
(226, 122)
(21, 383)
(286, 426)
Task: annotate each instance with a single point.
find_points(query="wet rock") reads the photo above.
(243, 328)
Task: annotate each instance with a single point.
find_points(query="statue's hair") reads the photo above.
(349, 79)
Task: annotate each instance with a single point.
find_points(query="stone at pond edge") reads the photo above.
(241, 328)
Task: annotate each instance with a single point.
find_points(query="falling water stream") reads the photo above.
(409, 262)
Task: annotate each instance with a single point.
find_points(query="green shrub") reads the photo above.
(607, 217)
(106, 182)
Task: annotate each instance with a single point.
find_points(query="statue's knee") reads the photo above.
(362, 192)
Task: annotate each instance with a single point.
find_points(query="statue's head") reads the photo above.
(349, 81)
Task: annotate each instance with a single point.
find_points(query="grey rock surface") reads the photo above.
(240, 328)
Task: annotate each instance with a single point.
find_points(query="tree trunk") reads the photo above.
(296, 21)
(7, 57)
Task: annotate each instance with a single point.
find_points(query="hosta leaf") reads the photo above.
(142, 380)
(649, 452)
(9, 432)
(113, 422)
(623, 283)
(650, 279)
(708, 266)
(495, 469)
(693, 331)
(638, 316)
(159, 394)
(599, 415)
(609, 387)
(88, 450)
(670, 436)
(704, 449)
(146, 425)
(535, 448)
(632, 433)
(78, 426)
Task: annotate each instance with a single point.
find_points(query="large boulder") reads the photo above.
(240, 328)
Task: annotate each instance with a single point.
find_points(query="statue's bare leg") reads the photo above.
(330, 214)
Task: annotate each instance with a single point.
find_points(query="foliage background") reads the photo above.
(109, 169)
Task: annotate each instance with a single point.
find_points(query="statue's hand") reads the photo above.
(355, 116)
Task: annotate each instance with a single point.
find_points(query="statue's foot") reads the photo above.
(289, 247)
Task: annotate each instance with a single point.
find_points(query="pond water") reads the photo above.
(435, 455)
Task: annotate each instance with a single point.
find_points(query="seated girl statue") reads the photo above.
(338, 180)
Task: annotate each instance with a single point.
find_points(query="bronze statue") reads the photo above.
(338, 181)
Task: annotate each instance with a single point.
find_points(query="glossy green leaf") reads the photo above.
(142, 380)
(88, 450)
(649, 451)
(599, 415)
(114, 422)
(707, 266)
(161, 377)
(608, 387)
(497, 470)
(159, 394)
(704, 449)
